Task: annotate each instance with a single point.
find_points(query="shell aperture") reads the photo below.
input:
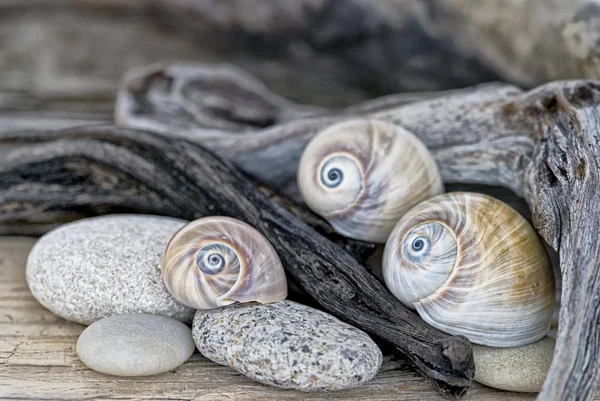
(212, 259)
(216, 261)
(479, 269)
(363, 175)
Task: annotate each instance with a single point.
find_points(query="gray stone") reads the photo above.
(93, 268)
(288, 345)
(135, 345)
(514, 369)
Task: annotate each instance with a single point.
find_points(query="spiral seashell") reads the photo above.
(216, 261)
(363, 175)
(472, 265)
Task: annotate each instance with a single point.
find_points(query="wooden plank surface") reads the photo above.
(38, 361)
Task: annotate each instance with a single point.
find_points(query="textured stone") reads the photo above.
(514, 369)
(135, 345)
(93, 268)
(288, 345)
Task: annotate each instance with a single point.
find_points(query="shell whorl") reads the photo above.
(479, 269)
(363, 175)
(216, 261)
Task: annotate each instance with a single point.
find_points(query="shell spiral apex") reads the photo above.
(216, 261)
(363, 175)
(472, 265)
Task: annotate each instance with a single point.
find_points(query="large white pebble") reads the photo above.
(135, 345)
(286, 344)
(521, 369)
(93, 268)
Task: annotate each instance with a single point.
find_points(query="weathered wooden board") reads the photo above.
(38, 361)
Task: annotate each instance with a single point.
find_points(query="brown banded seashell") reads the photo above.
(472, 265)
(363, 175)
(216, 261)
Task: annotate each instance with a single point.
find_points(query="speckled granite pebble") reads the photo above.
(288, 345)
(135, 345)
(514, 369)
(93, 268)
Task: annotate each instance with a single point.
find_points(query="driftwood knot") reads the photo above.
(457, 350)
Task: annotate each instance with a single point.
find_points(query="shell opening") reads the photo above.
(417, 264)
(340, 177)
(213, 258)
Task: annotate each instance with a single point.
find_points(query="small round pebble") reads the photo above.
(93, 268)
(521, 369)
(286, 344)
(135, 345)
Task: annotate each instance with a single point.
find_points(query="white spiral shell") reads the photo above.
(216, 261)
(363, 175)
(472, 265)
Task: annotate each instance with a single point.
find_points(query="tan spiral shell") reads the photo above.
(363, 175)
(472, 265)
(216, 261)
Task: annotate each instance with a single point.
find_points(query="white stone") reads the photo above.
(93, 268)
(288, 345)
(521, 369)
(135, 345)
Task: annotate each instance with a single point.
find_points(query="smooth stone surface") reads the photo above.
(135, 345)
(93, 268)
(521, 369)
(288, 345)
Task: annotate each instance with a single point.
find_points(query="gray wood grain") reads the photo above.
(227, 111)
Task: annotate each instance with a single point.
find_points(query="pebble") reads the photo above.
(520, 369)
(286, 344)
(93, 268)
(135, 345)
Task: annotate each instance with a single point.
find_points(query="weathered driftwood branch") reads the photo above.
(561, 185)
(90, 168)
(230, 113)
(542, 144)
(92, 204)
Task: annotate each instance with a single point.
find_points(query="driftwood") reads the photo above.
(229, 112)
(324, 52)
(91, 168)
(543, 145)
